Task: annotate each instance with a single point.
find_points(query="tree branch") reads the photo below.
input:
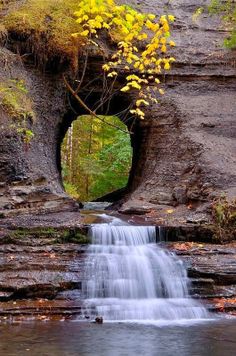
(92, 113)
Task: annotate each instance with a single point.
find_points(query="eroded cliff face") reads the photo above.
(29, 173)
(184, 151)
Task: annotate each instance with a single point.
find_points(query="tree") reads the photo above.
(96, 158)
(139, 45)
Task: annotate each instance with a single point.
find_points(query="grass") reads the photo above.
(46, 27)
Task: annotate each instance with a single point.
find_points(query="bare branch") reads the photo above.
(92, 113)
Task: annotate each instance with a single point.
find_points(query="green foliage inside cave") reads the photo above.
(96, 158)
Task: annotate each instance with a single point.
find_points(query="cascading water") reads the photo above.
(129, 277)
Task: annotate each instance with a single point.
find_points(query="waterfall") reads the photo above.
(129, 277)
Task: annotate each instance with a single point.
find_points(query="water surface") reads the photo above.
(113, 339)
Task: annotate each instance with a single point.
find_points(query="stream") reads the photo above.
(80, 338)
(141, 291)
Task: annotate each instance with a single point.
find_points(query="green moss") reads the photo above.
(73, 236)
(47, 26)
(34, 233)
(56, 235)
(227, 10)
(14, 99)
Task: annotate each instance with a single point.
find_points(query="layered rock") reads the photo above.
(184, 152)
(187, 149)
(42, 272)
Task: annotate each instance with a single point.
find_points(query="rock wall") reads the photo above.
(188, 146)
(29, 173)
(184, 152)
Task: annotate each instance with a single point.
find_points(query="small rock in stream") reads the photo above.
(99, 320)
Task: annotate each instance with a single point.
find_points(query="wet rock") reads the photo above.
(99, 320)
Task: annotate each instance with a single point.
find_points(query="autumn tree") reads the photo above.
(140, 44)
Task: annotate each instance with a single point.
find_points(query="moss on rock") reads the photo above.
(52, 235)
(46, 27)
(14, 99)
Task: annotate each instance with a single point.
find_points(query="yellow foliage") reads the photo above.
(141, 101)
(125, 89)
(140, 40)
(167, 66)
(172, 43)
(112, 74)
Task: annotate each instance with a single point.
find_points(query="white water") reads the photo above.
(128, 277)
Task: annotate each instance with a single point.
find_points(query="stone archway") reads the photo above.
(30, 175)
(172, 164)
(184, 152)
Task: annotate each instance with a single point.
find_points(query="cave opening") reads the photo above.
(96, 157)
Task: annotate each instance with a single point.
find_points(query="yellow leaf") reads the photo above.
(84, 33)
(112, 74)
(133, 77)
(141, 101)
(117, 21)
(125, 89)
(99, 18)
(163, 48)
(166, 27)
(138, 112)
(167, 66)
(129, 18)
(143, 36)
(172, 44)
(105, 25)
(163, 19)
(135, 85)
(106, 67)
(163, 40)
(151, 16)
(171, 18)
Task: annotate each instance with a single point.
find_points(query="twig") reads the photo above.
(92, 113)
